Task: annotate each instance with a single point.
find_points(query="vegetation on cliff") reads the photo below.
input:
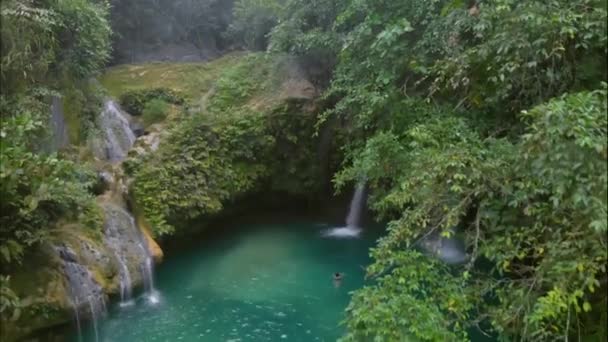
(47, 46)
(247, 132)
(486, 119)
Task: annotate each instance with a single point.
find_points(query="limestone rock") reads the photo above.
(153, 247)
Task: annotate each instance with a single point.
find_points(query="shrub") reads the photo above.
(134, 101)
(155, 111)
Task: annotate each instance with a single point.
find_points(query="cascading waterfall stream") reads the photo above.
(85, 294)
(116, 135)
(121, 233)
(353, 219)
(147, 269)
(124, 238)
(118, 225)
(125, 283)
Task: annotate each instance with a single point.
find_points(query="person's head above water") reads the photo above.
(337, 275)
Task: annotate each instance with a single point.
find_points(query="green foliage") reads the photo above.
(532, 205)
(238, 84)
(200, 167)
(305, 26)
(522, 53)
(68, 35)
(27, 42)
(134, 101)
(535, 209)
(401, 306)
(44, 45)
(9, 302)
(558, 198)
(240, 144)
(37, 189)
(84, 35)
(305, 30)
(155, 111)
(252, 22)
(82, 102)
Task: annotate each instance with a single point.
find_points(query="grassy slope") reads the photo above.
(239, 79)
(192, 79)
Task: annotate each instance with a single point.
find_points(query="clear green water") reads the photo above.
(262, 282)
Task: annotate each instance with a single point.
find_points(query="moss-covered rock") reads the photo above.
(40, 284)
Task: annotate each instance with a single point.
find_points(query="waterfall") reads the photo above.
(85, 294)
(147, 269)
(126, 241)
(118, 225)
(116, 135)
(353, 219)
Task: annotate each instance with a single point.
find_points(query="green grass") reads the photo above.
(239, 79)
(191, 79)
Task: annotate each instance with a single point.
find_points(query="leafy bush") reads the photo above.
(66, 36)
(199, 167)
(9, 301)
(135, 101)
(84, 35)
(28, 43)
(155, 111)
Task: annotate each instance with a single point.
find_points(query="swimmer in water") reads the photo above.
(338, 279)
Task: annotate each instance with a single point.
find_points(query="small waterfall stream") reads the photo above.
(129, 246)
(353, 219)
(117, 226)
(116, 134)
(86, 294)
(148, 277)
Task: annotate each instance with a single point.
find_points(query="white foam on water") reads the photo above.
(353, 219)
(342, 232)
(126, 304)
(154, 297)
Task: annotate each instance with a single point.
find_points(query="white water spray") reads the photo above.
(353, 219)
